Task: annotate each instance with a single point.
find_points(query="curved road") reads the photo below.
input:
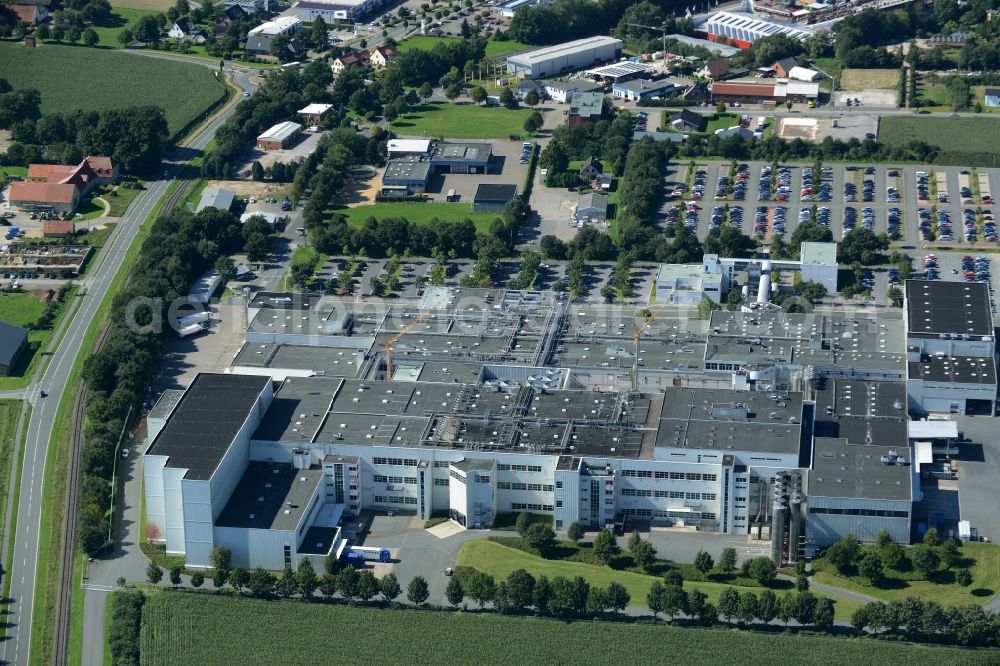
(56, 378)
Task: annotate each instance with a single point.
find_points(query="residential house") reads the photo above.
(58, 188)
(585, 108)
(339, 63)
(185, 29)
(563, 91)
(714, 69)
(227, 17)
(591, 207)
(735, 130)
(314, 113)
(13, 342)
(106, 170)
(379, 56)
(687, 121)
(992, 96)
(258, 45)
(591, 168)
(30, 14)
(658, 137)
(782, 67)
(696, 92)
(525, 86)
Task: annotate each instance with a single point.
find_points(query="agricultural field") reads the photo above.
(461, 121)
(976, 139)
(868, 79)
(985, 580)
(418, 213)
(499, 561)
(103, 79)
(182, 628)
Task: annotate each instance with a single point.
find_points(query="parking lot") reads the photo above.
(298, 152)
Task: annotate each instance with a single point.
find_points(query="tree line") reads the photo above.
(134, 137)
(180, 247)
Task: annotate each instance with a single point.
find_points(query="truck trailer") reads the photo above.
(372, 554)
(192, 329)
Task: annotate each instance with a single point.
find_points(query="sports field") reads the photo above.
(418, 213)
(77, 77)
(461, 121)
(181, 628)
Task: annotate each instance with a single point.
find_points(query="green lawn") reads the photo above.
(718, 121)
(829, 65)
(428, 42)
(93, 79)
(121, 18)
(120, 199)
(933, 97)
(418, 213)
(499, 561)
(184, 628)
(461, 121)
(22, 309)
(13, 171)
(90, 208)
(985, 580)
(10, 410)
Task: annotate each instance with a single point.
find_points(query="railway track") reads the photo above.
(64, 605)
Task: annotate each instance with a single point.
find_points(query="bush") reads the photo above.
(126, 620)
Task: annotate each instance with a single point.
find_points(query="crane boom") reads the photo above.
(396, 338)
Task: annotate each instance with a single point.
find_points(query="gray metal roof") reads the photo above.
(935, 307)
(270, 496)
(216, 197)
(955, 369)
(202, 427)
(11, 339)
(593, 200)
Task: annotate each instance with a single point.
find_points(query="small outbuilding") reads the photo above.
(13, 342)
(280, 136)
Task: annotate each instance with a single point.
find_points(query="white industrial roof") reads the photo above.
(932, 429)
(619, 69)
(409, 145)
(558, 50)
(315, 109)
(276, 27)
(758, 27)
(270, 218)
(280, 132)
(803, 74)
(818, 254)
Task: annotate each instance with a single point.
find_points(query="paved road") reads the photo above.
(16, 649)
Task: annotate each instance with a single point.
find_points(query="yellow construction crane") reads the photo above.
(646, 321)
(392, 343)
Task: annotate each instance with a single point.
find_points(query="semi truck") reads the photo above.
(372, 554)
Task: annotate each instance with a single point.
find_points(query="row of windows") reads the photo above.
(861, 512)
(411, 480)
(518, 506)
(648, 513)
(455, 475)
(394, 499)
(675, 476)
(671, 494)
(440, 482)
(409, 462)
(441, 463)
(482, 478)
(515, 485)
(519, 468)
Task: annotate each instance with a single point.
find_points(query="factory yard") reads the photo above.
(282, 632)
